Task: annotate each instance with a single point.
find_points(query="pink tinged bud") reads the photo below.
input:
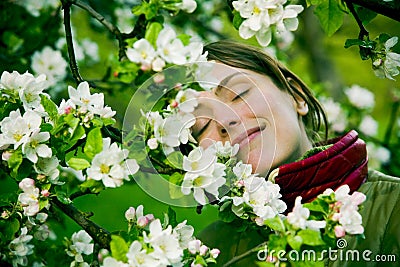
(271, 258)
(259, 221)
(159, 78)
(240, 183)
(26, 184)
(45, 193)
(115, 74)
(194, 246)
(142, 221)
(174, 104)
(214, 252)
(357, 198)
(336, 216)
(150, 217)
(130, 214)
(145, 67)
(6, 155)
(203, 250)
(178, 86)
(195, 265)
(67, 110)
(4, 214)
(339, 231)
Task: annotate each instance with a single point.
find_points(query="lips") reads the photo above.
(247, 136)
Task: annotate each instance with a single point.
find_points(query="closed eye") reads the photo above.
(241, 95)
(201, 131)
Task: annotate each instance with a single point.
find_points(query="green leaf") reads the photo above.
(175, 159)
(63, 198)
(175, 181)
(93, 185)
(50, 107)
(311, 237)
(295, 242)
(185, 38)
(78, 163)
(9, 227)
(237, 20)
(14, 162)
(199, 260)
(330, 16)
(152, 31)
(275, 223)
(351, 42)
(119, 248)
(94, 143)
(148, 9)
(365, 14)
(172, 217)
(313, 2)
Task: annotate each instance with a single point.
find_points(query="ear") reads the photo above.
(300, 104)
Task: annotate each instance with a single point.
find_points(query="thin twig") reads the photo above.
(244, 255)
(363, 31)
(70, 45)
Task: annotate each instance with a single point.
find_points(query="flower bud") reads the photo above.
(259, 221)
(214, 252)
(194, 246)
(41, 217)
(339, 231)
(174, 104)
(45, 193)
(152, 143)
(357, 198)
(150, 217)
(336, 216)
(5, 215)
(41, 178)
(203, 250)
(130, 214)
(67, 110)
(159, 78)
(142, 221)
(6, 155)
(195, 265)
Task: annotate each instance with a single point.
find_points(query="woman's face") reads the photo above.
(248, 109)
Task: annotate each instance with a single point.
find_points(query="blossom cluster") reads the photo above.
(160, 244)
(346, 211)
(79, 245)
(263, 18)
(389, 64)
(172, 127)
(169, 49)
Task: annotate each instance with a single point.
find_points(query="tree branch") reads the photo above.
(70, 45)
(100, 235)
(390, 9)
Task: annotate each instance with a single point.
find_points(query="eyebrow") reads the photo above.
(226, 80)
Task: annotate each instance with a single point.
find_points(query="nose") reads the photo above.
(226, 119)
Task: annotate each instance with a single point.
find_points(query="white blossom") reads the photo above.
(81, 244)
(111, 262)
(142, 52)
(29, 199)
(20, 248)
(111, 166)
(33, 148)
(377, 155)
(226, 150)
(203, 174)
(360, 97)
(187, 5)
(49, 168)
(263, 197)
(369, 126)
(51, 63)
(137, 256)
(187, 100)
(166, 246)
(170, 48)
(388, 67)
(184, 234)
(299, 217)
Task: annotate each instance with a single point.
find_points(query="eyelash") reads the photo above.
(202, 129)
(241, 95)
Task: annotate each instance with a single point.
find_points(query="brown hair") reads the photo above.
(248, 57)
